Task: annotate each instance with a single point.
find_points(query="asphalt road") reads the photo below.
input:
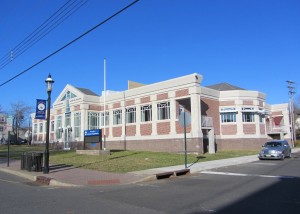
(257, 187)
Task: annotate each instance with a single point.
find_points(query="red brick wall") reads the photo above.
(130, 102)
(227, 103)
(94, 107)
(131, 130)
(240, 144)
(181, 93)
(116, 131)
(229, 129)
(162, 145)
(146, 129)
(162, 96)
(210, 108)
(180, 129)
(117, 105)
(106, 132)
(262, 129)
(248, 102)
(51, 136)
(145, 99)
(249, 129)
(163, 128)
(77, 108)
(275, 113)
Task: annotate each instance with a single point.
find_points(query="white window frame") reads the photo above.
(146, 113)
(52, 126)
(106, 119)
(77, 124)
(93, 120)
(41, 127)
(163, 111)
(228, 115)
(131, 115)
(248, 115)
(59, 127)
(35, 128)
(117, 117)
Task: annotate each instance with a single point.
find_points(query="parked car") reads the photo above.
(275, 149)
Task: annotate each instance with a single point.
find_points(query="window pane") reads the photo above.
(163, 111)
(146, 113)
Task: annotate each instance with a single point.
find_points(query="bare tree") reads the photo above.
(19, 112)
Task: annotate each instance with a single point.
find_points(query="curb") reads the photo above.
(40, 179)
(20, 174)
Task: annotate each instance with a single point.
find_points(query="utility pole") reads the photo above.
(291, 110)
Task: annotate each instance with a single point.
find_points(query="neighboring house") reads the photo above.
(5, 127)
(146, 117)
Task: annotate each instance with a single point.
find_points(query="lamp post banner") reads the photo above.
(40, 112)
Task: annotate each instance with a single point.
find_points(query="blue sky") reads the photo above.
(253, 44)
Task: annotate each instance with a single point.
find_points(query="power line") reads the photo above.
(44, 29)
(74, 40)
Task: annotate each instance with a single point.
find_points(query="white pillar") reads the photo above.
(196, 113)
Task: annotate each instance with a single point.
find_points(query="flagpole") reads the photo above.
(104, 99)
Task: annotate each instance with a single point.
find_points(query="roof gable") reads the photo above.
(224, 87)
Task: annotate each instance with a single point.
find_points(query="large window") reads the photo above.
(106, 118)
(58, 127)
(163, 111)
(77, 124)
(146, 113)
(52, 126)
(41, 127)
(35, 128)
(67, 119)
(248, 115)
(228, 115)
(131, 115)
(117, 117)
(93, 120)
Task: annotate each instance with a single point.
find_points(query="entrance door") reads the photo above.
(67, 139)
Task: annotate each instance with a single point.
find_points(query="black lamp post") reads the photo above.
(49, 81)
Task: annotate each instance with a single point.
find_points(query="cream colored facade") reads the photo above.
(147, 117)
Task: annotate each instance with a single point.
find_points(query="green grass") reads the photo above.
(121, 161)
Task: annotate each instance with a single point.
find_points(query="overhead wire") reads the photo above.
(44, 29)
(71, 42)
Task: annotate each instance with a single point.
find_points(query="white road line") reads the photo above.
(9, 181)
(244, 175)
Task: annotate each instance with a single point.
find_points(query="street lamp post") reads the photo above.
(49, 81)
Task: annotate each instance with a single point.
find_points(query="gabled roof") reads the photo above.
(224, 87)
(87, 91)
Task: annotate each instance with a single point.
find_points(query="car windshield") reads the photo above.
(273, 144)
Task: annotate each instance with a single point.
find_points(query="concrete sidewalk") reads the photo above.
(68, 176)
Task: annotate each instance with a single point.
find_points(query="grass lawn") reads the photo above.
(121, 161)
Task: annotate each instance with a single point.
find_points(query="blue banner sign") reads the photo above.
(93, 132)
(40, 112)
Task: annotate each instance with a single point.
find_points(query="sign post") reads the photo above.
(185, 120)
(93, 139)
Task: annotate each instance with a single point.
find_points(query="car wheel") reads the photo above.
(282, 158)
(290, 155)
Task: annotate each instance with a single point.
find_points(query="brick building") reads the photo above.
(147, 117)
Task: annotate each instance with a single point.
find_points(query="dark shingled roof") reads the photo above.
(224, 87)
(87, 91)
